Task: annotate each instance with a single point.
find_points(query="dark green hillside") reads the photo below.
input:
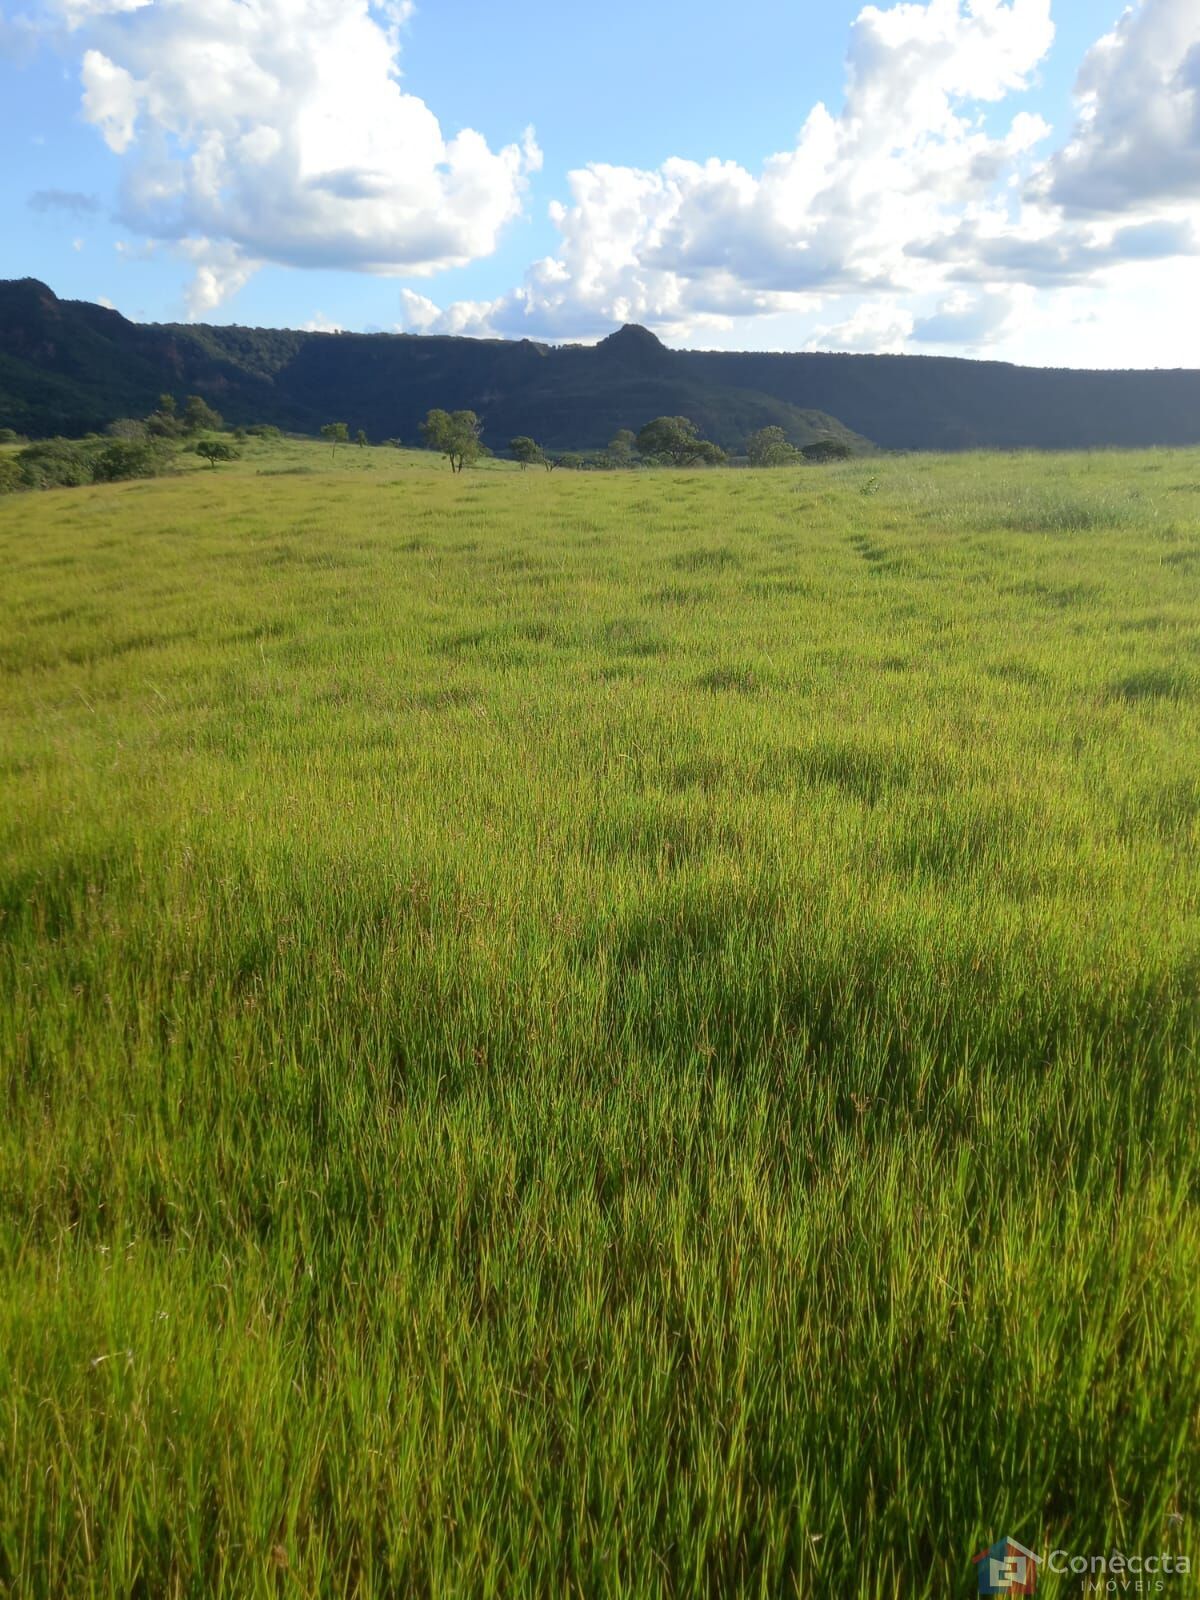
(67, 366)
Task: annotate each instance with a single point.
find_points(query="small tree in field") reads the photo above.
(827, 450)
(198, 416)
(214, 450)
(676, 442)
(769, 447)
(361, 440)
(526, 450)
(454, 434)
(163, 423)
(622, 447)
(336, 433)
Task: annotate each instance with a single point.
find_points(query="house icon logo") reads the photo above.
(1007, 1568)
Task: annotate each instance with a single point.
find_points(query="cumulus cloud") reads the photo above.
(1058, 254)
(881, 327)
(902, 162)
(922, 211)
(419, 314)
(1138, 136)
(221, 270)
(279, 132)
(966, 320)
(110, 99)
(881, 208)
(320, 323)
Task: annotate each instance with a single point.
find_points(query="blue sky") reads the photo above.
(1018, 178)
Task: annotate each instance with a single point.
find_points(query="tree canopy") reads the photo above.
(336, 433)
(198, 416)
(163, 422)
(454, 434)
(526, 450)
(827, 450)
(214, 450)
(676, 442)
(622, 447)
(769, 447)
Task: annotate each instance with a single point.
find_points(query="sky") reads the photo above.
(1014, 179)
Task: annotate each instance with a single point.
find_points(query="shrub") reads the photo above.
(164, 422)
(199, 415)
(129, 458)
(70, 463)
(827, 450)
(56, 464)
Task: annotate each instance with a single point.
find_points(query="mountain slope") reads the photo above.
(67, 366)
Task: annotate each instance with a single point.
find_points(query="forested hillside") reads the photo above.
(68, 366)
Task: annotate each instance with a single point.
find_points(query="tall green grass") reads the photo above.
(614, 1035)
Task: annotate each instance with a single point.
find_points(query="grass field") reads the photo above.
(598, 1035)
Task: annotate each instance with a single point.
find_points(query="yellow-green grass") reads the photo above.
(600, 1035)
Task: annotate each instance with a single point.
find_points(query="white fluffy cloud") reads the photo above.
(278, 132)
(925, 211)
(1138, 137)
(968, 321)
(880, 327)
(904, 160)
(881, 209)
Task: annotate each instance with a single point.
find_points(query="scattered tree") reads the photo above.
(455, 435)
(827, 450)
(9, 436)
(676, 442)
(526, 450)
(164, 423)
(336, 433)
(622, 448)
(214, 450)
(361, 440)
(769, 447)
(199, 416)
